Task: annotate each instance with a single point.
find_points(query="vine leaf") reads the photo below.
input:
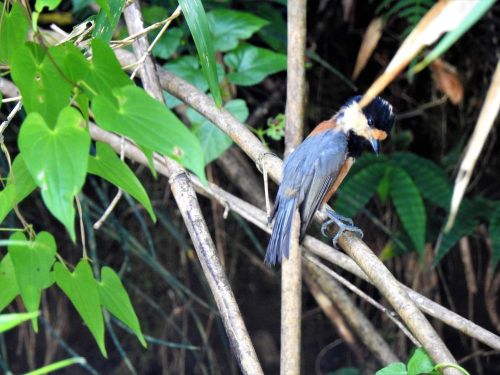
(150, 124)
(57, 160)
(81, 289)
(32, 261)
(107, 164)
(115, 299)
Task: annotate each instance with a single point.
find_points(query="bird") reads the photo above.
(316, 168)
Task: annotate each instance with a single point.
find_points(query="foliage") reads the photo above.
(419, 363)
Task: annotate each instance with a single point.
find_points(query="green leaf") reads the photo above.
(58, 365)
(50, 4)
(107, 19)
(57, 160)
(20, 184)
(168, 43)
(101, 75)
(81, 288)
(396, 368)
(214, 141)
(32, 261)
(14, 27)
(495, 237)
(149, 123)
(356, 191)
(346, 371)
(420, 363)
(464, 225)
(8, 321)
(230, 26)
(115, 299)
(251, 65)
(429, 178)
(275, 33)
(107, 164)
(409, 206)
(154, 13)
(188, 68)
(8, 283)
(42, 87)
(196, 19)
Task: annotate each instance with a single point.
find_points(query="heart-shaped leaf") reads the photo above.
(230, 26)
(20, 184)
(108, 165)
(57, 160)
(43, 88)
(115, 299)
(150, 124)
(32, 261)
(8, 283)
(420, 363)
(81, 288)
(252, 64)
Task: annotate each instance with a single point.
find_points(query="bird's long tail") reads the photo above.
(279, 244)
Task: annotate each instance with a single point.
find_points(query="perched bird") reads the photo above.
(316, 168)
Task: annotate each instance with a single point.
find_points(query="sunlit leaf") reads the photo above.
(107, 18)
(108, 165)
(81, 288)
(8, 321)
(32, 261)
(14, 27)
(8, 282)
(115, 299)
(150, 124)
(396, 368)
(420, 363)
(196, 19)
(57, 160)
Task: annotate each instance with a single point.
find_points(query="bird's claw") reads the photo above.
(344, 224)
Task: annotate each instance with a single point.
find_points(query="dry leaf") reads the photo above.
(484, 124)
(445, 16)
(370, 41)
(447, 80)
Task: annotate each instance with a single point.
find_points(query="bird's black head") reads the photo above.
(379, 116)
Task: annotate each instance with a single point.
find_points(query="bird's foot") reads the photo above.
(344, 224)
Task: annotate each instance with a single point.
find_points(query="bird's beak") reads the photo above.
(376, 145)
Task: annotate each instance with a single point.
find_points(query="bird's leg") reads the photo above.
(344, 224)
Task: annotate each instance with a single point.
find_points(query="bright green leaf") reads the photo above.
(50, 4)
(396, 368)
(42, 87)
(409, 206)
(196, 19)
(188, 68)
(107, 19)
(32, 261)
(8, 321)
(359, 188)
(168, 43)
(420, 363)
(81, 288)
(214, 141)
(230, 26)
(107, 164)
(14, 27)
(8, 283)
(20, 184)
(495, 237)
(57, 366)
(150, 124)
(115, 299)
(251, 65)
(57, 160)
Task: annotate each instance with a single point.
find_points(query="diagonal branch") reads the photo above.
(187, 202)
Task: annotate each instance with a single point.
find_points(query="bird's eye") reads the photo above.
(370, 121)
